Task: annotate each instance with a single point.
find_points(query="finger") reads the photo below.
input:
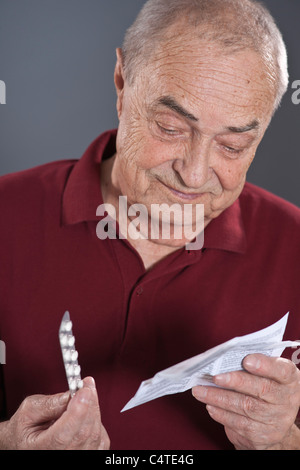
(279, 369)
(105, 440)
(246, 432)
(97, 436)
(236, 403)
(248, 384)
(79, 427)
(228, 419)
(250, 418)
(241, 425)
(89, 382)
(63, 431)
(44, 408)
(267, 378)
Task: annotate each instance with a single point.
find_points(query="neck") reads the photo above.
(150, 251)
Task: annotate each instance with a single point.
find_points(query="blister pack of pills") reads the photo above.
(69, 354)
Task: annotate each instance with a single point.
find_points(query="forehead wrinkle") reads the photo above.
(237, 88)
(209, 64)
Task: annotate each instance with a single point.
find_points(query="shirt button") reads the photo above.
(139, 290)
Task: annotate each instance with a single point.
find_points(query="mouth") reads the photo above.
(182, 195)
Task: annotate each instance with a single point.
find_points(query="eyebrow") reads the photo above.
(172, 104)
(240, 130)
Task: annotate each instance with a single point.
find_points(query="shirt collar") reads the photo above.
(227, 232)
(82, 196)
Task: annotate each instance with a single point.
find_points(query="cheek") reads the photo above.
(232, 174)
(160, 155)
(133, 147)
(140, 152)
(137, 145)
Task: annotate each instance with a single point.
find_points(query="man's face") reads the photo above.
(190, 126)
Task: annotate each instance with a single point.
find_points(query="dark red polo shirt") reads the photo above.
(129, 323)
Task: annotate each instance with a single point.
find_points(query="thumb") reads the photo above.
(44, 408)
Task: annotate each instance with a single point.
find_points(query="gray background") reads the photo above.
(57, 59)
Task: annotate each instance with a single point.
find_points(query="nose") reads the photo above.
(194, 167)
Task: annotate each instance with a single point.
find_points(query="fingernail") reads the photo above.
(200, 392)
(84, 395)
(211, 409)
(252, 362)
(90, 382)
(64, 398)
(222, 379)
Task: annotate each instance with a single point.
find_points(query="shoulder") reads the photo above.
(30, 199)
(267, 216)
(259, 203)
(28, 186)
(51, 172)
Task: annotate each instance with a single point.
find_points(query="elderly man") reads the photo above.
(197, 85)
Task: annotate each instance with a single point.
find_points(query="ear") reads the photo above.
(119, 80)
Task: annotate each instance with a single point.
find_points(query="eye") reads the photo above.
(166, 130)
(234, 152)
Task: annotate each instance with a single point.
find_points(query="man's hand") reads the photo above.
(258, 407)
(55, 422)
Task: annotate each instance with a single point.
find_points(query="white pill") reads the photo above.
(70, 370)
(67, 326)
(74, 356)
(71, 341)
(63, 340)
(80, 384)
(72, 385)
(67, 355)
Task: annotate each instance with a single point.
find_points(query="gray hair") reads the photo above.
(234, 24)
